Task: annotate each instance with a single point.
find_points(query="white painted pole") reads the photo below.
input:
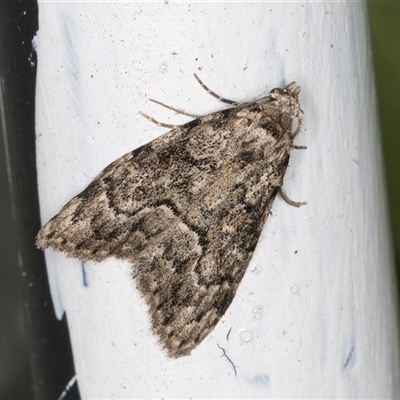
(315, 315)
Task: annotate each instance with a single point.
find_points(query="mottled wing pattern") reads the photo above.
(186, 210)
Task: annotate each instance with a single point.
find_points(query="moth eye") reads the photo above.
(278, 90)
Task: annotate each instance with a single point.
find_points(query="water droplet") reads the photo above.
(256, 270)
(257, 312)
(294, 288)
(245, 336)
(163, 67)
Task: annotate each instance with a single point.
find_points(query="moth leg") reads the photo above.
(215, 94)
(154, 121)
(299, 147)
(291, 202)
(299, 124)
(178, 110)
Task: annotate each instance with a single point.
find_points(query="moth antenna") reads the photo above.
(178, 110)
(154, 121)
(235, 103)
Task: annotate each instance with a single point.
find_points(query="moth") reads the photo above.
(186, 210)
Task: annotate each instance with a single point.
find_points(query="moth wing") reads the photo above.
(186, 210)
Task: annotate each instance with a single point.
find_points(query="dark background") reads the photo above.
(385, 32)
(15, 377)
(16, 78)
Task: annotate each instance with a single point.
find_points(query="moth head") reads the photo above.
(292, 89)
(277, 92)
